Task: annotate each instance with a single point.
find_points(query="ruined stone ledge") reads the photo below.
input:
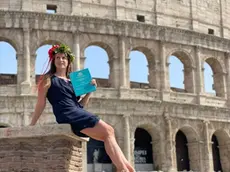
(48, 148)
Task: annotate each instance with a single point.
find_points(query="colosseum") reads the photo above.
(158, 128)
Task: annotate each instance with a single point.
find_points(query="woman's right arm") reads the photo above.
(41, 103)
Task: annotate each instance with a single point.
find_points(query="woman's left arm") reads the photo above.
(85, 100)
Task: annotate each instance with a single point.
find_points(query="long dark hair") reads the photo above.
(53, 69)
(45, 79)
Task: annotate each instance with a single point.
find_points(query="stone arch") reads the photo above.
(106, 46)
(222, 141)
(192, 145)
(4, 125)
(216, 63)
(40, 38)
(147, 52)
(218, 75)
(222, 136)
(14, 37)
(190, 132)
(151, 63)
(44, 42)
(188, 63)
(180, 54)
(11, 42)
(156, 142)
(152, 128)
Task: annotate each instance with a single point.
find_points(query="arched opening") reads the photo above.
(97, 63)
(188, 149)
(176, 74)
(182, 154)
(138, 70)
(214, 77)
(216, 154)
(4, 125)
(8, 64)
(208, 79)
(97, 158)
(181, 72)
(143, 150)
(220, 151)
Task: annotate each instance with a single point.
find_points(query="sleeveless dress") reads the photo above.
(66, 107)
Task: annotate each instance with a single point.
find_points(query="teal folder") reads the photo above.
(81, 82)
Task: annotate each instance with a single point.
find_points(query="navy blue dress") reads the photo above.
(66, 107)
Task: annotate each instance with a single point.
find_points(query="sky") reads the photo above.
(138, 65)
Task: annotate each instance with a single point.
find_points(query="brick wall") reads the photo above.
(40, 149)
(6, 79)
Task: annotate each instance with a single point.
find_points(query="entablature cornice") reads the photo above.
(116, 27)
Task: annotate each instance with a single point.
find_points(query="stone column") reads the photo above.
(84, 156)
(27, 5)
(224, 17)
(76, 7)
(127, 72)
(127, 137)
(220, 84)
(32, 69)
(164, 82)
(199, 75)
(122, 54)
(207, 152)
(189, 79)
(120, 9)
(26, 79)
(169, 163)
(76, 51)
(132, 146)
(153, 78)
(227, 62)
(193, 12)
(157, 74)
(26, 83)
(20, 74)
(165, 86)
(194, 155)
(201, 143)
(114, 72)
(221, 19)
(82, 62)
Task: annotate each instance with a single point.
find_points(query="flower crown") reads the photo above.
(62, 48)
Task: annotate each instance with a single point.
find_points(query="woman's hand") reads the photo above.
(94, 82)
(85, 100)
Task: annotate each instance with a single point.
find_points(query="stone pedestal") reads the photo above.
(52, 148)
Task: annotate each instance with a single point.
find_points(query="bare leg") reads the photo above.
(128, 165)
(105, 133)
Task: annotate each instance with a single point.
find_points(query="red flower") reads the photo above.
(51, 50)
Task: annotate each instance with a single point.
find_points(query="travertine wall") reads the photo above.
(196, 15)
(157, 108)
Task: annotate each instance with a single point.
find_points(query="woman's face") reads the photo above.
(61, 61)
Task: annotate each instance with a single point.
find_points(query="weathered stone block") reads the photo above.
(52, 148)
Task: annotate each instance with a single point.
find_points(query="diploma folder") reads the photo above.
(81, 82)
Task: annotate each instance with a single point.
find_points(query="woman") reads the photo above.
(67, 108)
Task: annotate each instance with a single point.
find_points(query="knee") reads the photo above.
(109, 131)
